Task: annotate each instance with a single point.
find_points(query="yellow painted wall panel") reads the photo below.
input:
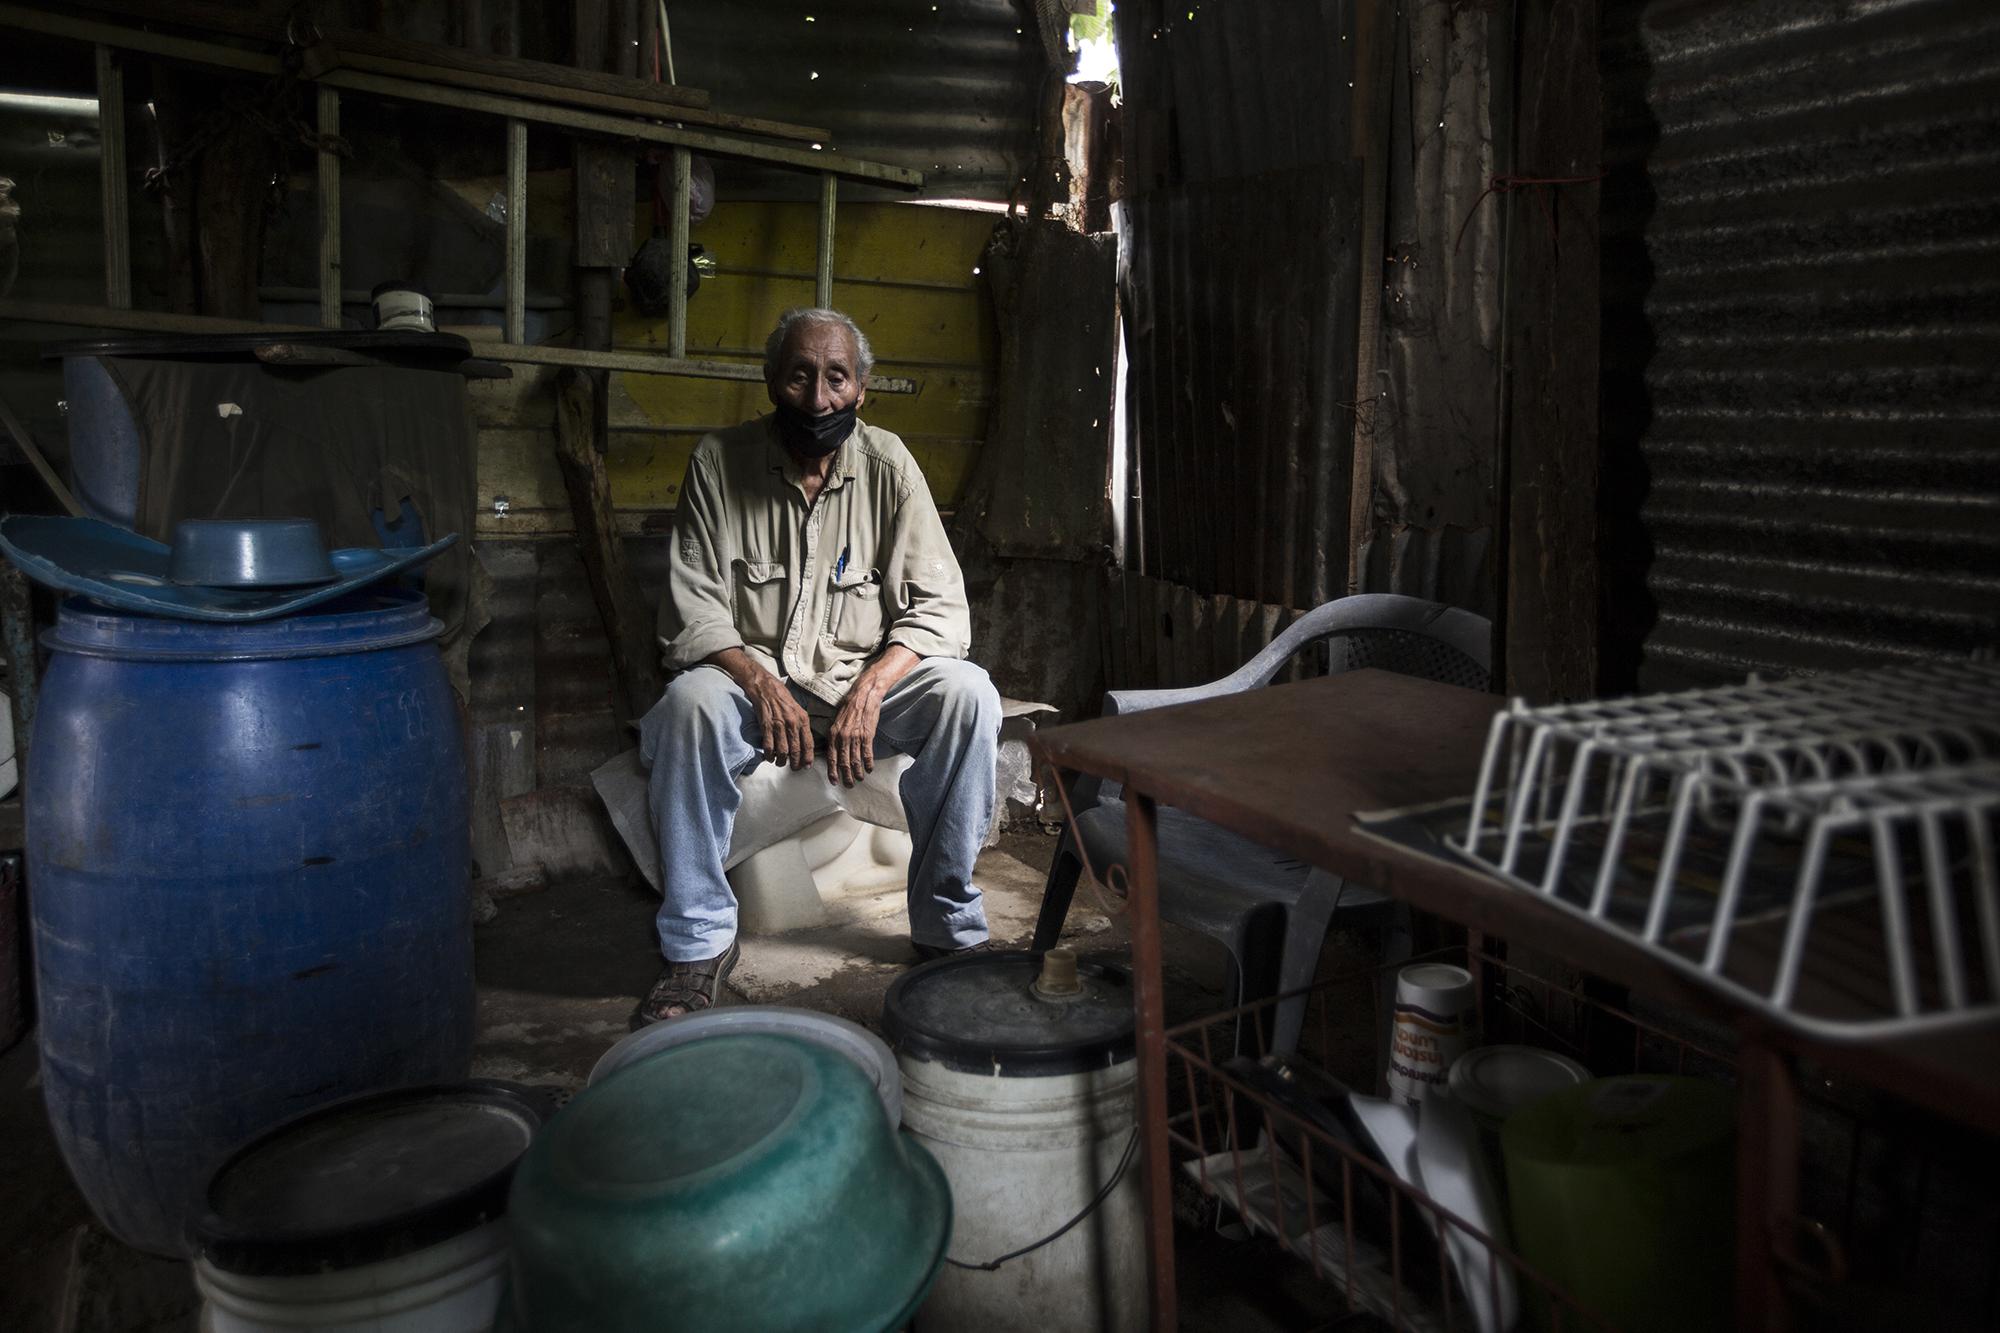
(881, 242)
(732, 314)
(904, 272)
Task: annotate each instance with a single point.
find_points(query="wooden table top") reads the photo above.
(1290, 766)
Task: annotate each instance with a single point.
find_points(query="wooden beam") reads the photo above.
(829, 205)
(517, 231)
(635, 653)
(682, 179)
(136, 321)
(329, 210)
(17, 637)
(1551, 634)
(130, 39)
(591, 101)
(647, 363)
(642, 363)
(111, 180)
(26, 444)
(260, 63)
(234, 21)
(612, 127)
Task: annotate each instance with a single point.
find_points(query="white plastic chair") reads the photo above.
(1270, 911)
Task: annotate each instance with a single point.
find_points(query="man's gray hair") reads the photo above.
(774, 345)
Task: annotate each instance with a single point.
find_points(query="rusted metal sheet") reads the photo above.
(1802, 274)
(1243, 439)
(1039, 488)
(1157, 634)
(1219, 91)
(1434, 423)
(1240, 331)
(948, 89)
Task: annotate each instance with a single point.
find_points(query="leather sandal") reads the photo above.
(685, 988)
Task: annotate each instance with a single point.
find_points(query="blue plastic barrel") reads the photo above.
(248, 866)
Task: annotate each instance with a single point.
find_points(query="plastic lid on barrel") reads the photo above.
(980, 1014)
(366, 1179)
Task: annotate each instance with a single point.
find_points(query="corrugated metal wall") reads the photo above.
(1242, 279)
(1238, 270)
(1801, 329)
(945, 87)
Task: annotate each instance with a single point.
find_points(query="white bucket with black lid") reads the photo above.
(384, 1212)
(1025, 1094)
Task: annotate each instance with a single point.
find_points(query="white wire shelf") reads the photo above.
(1822, 849)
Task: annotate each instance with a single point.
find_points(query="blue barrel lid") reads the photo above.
(368, 620)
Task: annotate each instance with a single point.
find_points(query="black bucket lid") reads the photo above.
(366, 1179)
(978, 1015)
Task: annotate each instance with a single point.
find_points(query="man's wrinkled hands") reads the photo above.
(850, 745)
(787, 731)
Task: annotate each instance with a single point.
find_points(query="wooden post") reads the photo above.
(1552, 333)
(17, 635)
(329, 209)
(635, 655)
(823, 269)
(111, 180)
(517, 231)
(677, 249)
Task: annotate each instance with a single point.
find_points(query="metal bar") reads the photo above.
(1944, 919)
(677, 253)
(823, 263)
(1143, 905)
(614, 126)
(111, 180)
(517, 232)
(329, 210)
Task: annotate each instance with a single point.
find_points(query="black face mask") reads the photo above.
(809, 436)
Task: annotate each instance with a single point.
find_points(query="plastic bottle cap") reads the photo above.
(1058, 979)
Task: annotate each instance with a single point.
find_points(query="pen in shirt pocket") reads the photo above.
(840, 565)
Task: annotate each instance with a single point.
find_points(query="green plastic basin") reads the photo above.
(732, 1183)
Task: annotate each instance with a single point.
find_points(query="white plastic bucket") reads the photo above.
(451, 1287)
(1025, 1155)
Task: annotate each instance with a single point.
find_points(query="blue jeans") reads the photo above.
(702, 736)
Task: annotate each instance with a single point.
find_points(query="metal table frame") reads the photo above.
(1290, 765)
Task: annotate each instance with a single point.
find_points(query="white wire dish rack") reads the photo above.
(1823, 849)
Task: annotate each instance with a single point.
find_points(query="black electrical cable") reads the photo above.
(1131, 1145)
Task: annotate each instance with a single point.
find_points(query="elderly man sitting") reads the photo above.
(812, 590)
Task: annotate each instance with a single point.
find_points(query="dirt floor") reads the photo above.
(558, 973)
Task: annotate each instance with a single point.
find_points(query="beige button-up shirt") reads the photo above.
(811, 591)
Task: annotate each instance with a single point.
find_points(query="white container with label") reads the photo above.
(1434, 1014)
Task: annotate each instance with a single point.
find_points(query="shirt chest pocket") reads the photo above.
(855, 620)
(760, 600)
